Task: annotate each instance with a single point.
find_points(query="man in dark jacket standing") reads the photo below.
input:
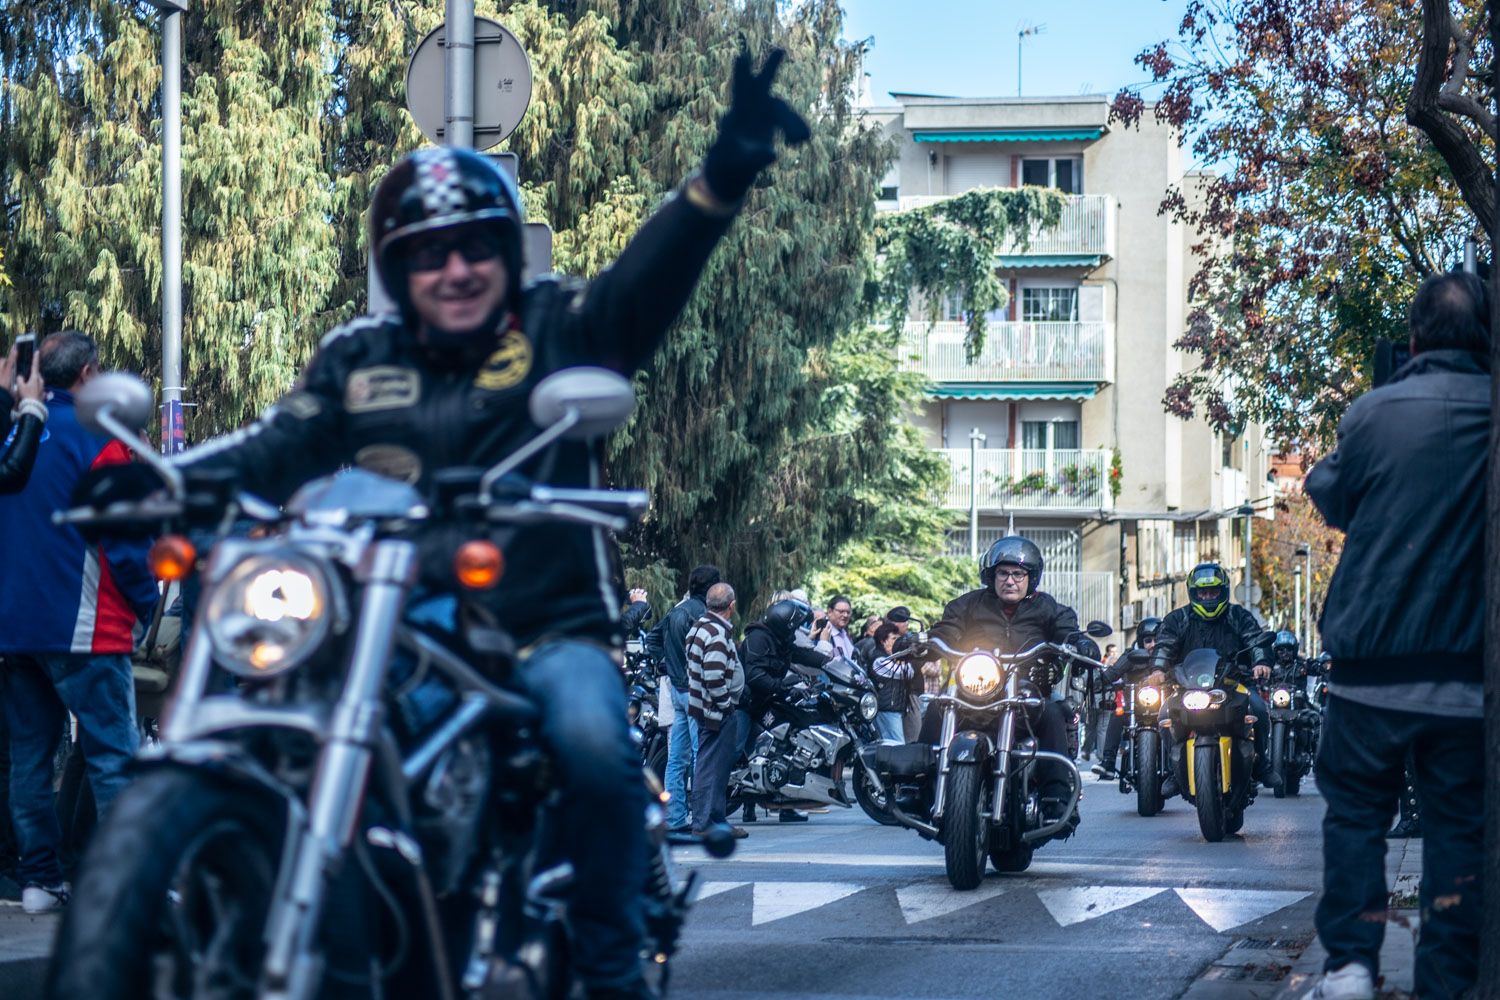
(1404, 622)
(667, 643)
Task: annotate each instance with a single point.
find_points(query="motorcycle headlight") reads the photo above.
(1196, 701)
(868, 706)
(978, 674)
(1149, 697)
(268, 615)
(1281, 698)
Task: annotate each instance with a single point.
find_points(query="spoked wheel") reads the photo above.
(1210, 800)
(871, 799)
(172, 895)
(1148, 799)
(966, 828)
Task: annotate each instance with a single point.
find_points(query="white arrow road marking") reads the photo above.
(1222, 909)
(778, 900)
(1074, 906)
(925, 900)
(714, 888)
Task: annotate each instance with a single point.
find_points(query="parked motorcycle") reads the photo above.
(1295, 728)
(1144, 762)
(342, 803)
(642, 681)
(810, 741)
(977, 793)
(1211, 721)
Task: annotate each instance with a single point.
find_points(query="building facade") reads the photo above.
(1058, 426)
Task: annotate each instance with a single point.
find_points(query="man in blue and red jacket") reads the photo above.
(68, 613)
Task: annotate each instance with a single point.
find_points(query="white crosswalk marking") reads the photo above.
(779, 900)
(1222, 909)
(708, 889)
(925, 900)
(1073, 906)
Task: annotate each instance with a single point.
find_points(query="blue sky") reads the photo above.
(967, 48)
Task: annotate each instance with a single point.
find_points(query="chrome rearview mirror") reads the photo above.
(595, 401)
(119, 395)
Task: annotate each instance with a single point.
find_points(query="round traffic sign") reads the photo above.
(502, 83)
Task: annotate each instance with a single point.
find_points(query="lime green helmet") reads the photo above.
(1208, 590)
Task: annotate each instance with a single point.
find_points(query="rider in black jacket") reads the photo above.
(1209, 621)
(768, 650)
(1135, 661)
(444, 382)
(1011, 615)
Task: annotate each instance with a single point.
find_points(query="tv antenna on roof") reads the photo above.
(1025, 31)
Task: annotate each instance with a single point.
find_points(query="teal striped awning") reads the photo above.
(1012, 135)
(1051, 260)
(1014, 390)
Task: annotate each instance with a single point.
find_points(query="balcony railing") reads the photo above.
(1024, 479)
(1012, 352)
(1087, 227)
(1091, 594)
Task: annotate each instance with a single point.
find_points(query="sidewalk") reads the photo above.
(1286, 969)
(25, 942)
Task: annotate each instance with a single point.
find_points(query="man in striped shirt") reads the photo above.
(715, 682)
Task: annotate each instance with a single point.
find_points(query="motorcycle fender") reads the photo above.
(969, 747)
(1226, 754)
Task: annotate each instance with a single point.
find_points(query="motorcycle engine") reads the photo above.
(451, 803)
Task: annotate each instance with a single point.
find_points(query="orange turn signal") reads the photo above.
(478, 565)
(171, 558)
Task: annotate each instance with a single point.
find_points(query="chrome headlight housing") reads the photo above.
(1148, 696)
(869, 707)
(1196, 701)
(1281, 698)
(268, 614)
(978, 675)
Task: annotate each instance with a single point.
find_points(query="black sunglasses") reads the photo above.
(474, 247)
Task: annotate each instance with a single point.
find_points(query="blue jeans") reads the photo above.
(601, 818)
(40, 691)
(682, 751)
(891, 726)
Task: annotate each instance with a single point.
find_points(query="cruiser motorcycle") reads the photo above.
(1295, 728)
(641, 682)
(343, 802)
(978, 792)
(810, 741)
(1211, 721)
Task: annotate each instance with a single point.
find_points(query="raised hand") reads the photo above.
(747, 134)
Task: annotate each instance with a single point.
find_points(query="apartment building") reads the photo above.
(1058, 426)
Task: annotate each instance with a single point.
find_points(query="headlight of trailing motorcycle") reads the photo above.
(1149, 697)
(978, 674)
(868, 706)
(1196, 701)
(268, 615)
(1281, 698)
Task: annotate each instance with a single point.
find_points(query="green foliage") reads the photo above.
(875, 579)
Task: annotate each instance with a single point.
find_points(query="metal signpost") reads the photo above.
(975, 440)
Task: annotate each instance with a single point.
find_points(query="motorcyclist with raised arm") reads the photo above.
(1010, 614)
(1210, 621)
(444, 382)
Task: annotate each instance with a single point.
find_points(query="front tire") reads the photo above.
(870, 799)
(1012, 860)
(1210, 800)
(1278, 756)
(965, 827)
(172, 895)
(1148, 798)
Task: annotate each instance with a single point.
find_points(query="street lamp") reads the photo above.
(975, 440)
(171, 12)
(1248, 513)
(1297, 601)
(1305, 551)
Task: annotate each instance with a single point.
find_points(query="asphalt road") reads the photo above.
(843, 909)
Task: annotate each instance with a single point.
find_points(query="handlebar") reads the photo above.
(1061, 649)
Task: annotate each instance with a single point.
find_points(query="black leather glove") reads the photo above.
(747, 133)
(128, 482)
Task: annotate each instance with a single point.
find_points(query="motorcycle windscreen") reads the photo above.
(1199, 669)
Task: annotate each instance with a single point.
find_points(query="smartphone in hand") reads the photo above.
(25, 351)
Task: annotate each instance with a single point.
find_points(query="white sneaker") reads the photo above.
(1352, 982)
(40, 899)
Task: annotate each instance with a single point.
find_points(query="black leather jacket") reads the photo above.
(18, 453)
(767, 660)
(1183, 631)
(977, 621)
(373, 397)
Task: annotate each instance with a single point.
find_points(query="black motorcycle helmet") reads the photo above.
(1146, 631)
(1208, 590)
(784, 618)
(1285, 646)
(443, 188)
(1012, 550)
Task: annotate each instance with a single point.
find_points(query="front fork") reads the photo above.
(337, 795)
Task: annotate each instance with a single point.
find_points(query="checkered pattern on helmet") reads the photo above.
(439, 183)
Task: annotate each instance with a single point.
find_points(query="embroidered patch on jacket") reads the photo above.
(302, 405)
(391, 461)
(383, 387)
(508, 365)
